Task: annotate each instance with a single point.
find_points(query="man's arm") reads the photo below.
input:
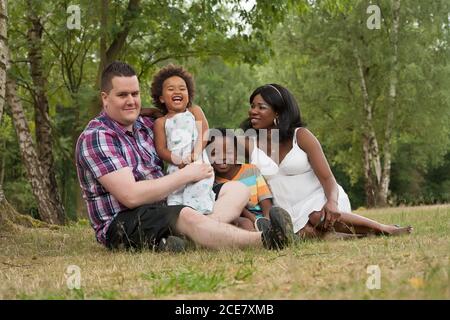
(122, 185)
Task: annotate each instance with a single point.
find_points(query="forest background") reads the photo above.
(372, 79)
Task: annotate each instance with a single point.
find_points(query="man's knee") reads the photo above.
(236, 190)
(190, 216)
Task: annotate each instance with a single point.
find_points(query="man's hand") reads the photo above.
(198, 171)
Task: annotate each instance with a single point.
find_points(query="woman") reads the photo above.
(297, 171)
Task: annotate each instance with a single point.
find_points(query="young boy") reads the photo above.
(222, 149)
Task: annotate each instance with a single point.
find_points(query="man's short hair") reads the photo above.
(115, 69)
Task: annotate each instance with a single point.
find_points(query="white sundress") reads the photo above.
(294, 184)
(181, 135)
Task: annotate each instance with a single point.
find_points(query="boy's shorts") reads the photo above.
(216, 189)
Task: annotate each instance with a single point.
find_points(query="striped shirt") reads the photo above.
(106, 146)
(250, 175)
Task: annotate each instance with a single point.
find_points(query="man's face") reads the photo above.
(123, 102)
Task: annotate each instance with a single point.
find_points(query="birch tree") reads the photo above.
(44, 138)
(368, 91)
(3, 68)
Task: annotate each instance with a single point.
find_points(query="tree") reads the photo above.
(37, 177)
(9, 217)
(222, 90)
(44, 138)
(4, 205)
(56, 68)
(360, 87)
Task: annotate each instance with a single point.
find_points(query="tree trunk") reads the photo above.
(47, 209)
(3, 66)
(3, 54)
(393, 79)
(41, 110)
(108, 55)
(372, 161)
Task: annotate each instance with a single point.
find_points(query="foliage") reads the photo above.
(222, 90)
(159, 31)
(232, 47)
(314, 58)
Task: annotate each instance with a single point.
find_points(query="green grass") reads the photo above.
(33, 265)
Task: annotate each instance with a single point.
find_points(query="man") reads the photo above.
(121, 177)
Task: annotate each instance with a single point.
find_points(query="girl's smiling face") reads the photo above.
(223, 158)
(261, 114)
(175, 94)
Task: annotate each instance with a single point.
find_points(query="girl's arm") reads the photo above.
(309, 143)
(161, 143)
(202, 128)
(266, 205)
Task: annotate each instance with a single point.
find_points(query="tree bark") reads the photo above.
(372, 162)
(393, 80)
(47, 209)
(3, 54)
(377, 164)
(44, 137)
(3, 67)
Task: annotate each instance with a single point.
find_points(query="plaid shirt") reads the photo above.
(106, 146)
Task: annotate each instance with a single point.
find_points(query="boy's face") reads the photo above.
(175, 94)
(223, 157)
(123, 102)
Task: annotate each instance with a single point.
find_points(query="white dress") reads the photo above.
(181, 135)
(294, 184)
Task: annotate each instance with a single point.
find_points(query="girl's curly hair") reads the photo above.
(165, 73)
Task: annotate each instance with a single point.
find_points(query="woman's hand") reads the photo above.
(330, 214)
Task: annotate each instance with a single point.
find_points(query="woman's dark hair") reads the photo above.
(165, 73)
(284, 104)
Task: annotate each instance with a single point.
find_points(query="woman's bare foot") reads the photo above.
(396, 230)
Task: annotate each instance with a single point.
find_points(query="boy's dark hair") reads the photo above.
(115, 69)
(168, 71)
(222, 133)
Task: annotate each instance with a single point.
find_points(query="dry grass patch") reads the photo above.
(33, 265)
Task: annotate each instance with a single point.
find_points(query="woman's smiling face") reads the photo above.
(261, 114)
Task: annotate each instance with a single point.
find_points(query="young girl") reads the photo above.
(179, 134)
(222, 147)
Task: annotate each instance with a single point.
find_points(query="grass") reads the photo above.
(33, 265)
